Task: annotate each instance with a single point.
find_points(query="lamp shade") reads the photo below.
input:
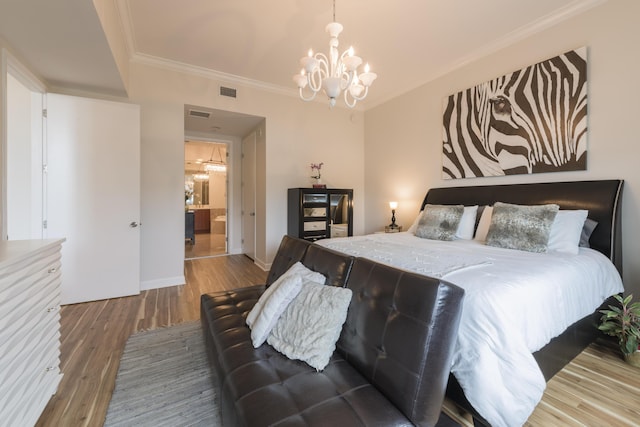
(393, 205)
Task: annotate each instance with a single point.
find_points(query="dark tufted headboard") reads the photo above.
(603, 199)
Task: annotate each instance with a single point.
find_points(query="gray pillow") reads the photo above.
(587, 230)
(521, 227)
(440, 222)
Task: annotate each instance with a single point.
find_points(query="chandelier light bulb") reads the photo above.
(367, 77)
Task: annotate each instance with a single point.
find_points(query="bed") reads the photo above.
(534, 329)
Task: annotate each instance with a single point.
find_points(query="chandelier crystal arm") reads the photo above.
(310, 98)
(350, 99)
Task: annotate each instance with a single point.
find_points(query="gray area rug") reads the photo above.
(164, 379)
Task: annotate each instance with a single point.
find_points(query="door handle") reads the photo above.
(252, 214)
(133, 224)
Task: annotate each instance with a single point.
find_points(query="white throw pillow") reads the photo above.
(483, 225)
(467, 223)
(310, 326)
(566, 230)
(275, 299)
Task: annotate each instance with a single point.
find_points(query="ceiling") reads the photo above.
(257, 42)
(62, 42)
(197, 153)
(200, 121)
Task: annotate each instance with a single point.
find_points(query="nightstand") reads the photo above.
(397, 229)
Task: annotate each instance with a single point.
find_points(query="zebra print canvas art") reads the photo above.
(530, 121)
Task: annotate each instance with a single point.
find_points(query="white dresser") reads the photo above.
(29, 328)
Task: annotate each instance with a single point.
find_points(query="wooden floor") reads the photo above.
(205, 244)
(596, 389)
(94, 334)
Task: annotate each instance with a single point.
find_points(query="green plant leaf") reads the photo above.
(613, 310)
(630, 346)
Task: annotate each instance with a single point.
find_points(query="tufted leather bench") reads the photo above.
(390, 367)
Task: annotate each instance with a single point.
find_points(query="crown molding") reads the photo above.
(126, 23)
(224, 78)
(572, 9)
(195, 70)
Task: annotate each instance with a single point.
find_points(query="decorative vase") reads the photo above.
(318, 184)
(633, 359)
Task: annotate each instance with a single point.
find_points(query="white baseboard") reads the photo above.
(162, 283)
(265, 266)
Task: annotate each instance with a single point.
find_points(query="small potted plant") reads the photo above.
(623, 322)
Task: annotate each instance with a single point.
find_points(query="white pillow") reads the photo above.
(275, 299)
(566, 230)
(297, 268)
(467, 223)
(311, 324)
(483, 225)
(414, 226)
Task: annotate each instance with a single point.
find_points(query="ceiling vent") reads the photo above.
(227, 91)
(200, 114)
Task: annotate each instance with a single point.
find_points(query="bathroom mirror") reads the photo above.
(196, 191)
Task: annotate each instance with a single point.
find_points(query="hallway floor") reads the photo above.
(206, 245)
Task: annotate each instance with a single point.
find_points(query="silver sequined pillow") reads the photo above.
(521, 227)
(440, 222)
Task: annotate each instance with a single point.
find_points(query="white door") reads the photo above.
(249, 196)
(23, 208)
(93, 195)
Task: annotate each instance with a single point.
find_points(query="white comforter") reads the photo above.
(515, 303)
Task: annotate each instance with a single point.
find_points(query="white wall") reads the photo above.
(294, 135)
(403, 137)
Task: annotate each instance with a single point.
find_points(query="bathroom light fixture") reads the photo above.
(336, 73)
(215, 165)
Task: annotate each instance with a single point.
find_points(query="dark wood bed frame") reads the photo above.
(602, 199)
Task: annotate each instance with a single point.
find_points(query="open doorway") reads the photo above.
(208, 125)
(205, 189)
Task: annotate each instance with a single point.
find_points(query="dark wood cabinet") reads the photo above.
(319, 213)
(202, 220)
(189, 227)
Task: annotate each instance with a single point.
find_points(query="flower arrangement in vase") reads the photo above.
(315, 170)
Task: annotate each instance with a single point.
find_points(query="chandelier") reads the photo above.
(201, 176)
(337, 73)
